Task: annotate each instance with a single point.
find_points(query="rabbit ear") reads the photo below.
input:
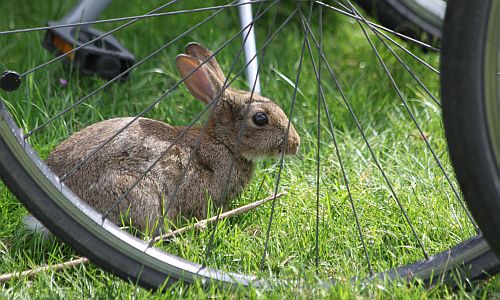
(200, 82)
(202, 54)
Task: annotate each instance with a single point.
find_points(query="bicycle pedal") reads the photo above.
(105, 57)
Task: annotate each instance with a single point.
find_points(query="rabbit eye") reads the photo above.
(260, 119)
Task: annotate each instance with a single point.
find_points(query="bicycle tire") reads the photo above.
(469, 78)
(131, 259)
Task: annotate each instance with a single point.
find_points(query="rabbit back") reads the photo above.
(112, 170)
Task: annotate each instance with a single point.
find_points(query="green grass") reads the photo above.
(409, 165)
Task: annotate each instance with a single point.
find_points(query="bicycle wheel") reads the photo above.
(393, 213)
(419, 19)
(471, 107)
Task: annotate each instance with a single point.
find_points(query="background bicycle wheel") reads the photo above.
(400, 148)
(422, 20)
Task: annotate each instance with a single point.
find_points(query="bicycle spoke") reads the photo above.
(372, 153)
(76, 167)
(421, 61)
(424, 138)
(380, 27)
(218, 96)
(210, 243)
(181, 135)
(337, 151)
(138, 17)
(407, 68)
(318, 120)
(239, 73)
(318, 132)
(64, 55)
(198, 141)
(282, 159)
(149, 56)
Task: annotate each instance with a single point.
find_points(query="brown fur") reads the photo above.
(113, 169)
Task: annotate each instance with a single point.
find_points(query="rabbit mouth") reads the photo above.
(284, 146)
(263, 154)
(288, 147)
(291, 150)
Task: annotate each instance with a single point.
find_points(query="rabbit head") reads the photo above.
(248, 124)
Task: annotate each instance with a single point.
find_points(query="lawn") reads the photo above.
(419, 183)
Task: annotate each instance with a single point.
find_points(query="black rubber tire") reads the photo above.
(463, 91)
(397, 16)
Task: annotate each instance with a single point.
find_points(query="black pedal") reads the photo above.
(105, 57)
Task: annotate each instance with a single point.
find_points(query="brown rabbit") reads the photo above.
(114, 168)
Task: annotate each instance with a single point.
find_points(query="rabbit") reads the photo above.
(114, 168)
